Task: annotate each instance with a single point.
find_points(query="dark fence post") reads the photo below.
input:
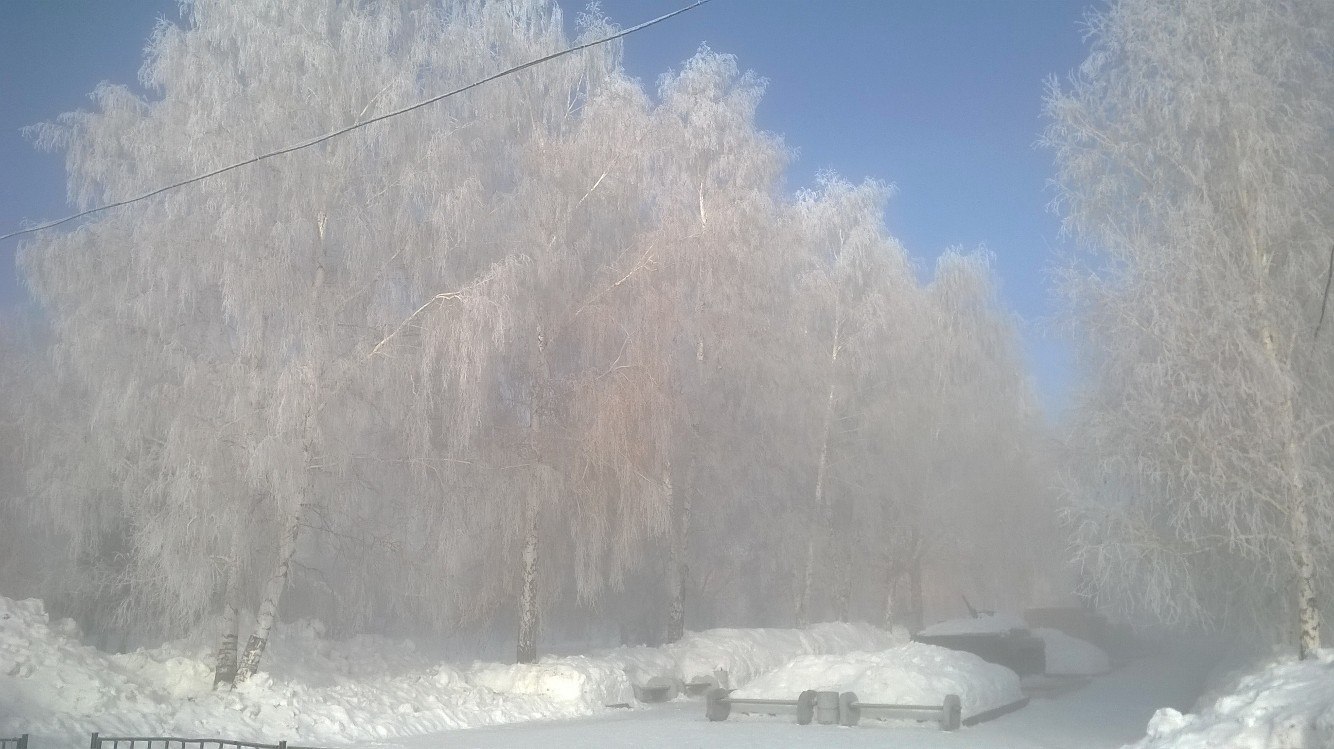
(95, 744)
(23, 741)
(282, 745)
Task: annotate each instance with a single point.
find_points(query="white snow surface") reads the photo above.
(912, 674)
(319, 691)
(1107, 713)
(1287, 704)
(981, 624)
(748, 653)
(1071, 656)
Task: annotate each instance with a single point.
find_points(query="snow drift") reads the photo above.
(913, 674)
(320, 691)
(1288, 704)
(745, 654)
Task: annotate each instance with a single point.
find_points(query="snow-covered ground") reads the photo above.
(1108, 713)
(1284, 704)
(744, 654)
(370, 691)
(314, 690)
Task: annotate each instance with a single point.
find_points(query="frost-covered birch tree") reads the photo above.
(1195, 150)
(983, 492)
(530, 350)
(934, 454)
(24, 387)
(579, 413)
(487, 361)
(246, 309)
(702, 312)
(846, 301)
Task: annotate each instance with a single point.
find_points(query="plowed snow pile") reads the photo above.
(319, 691)
(914, 674)
(748, 653)
(1287, 705)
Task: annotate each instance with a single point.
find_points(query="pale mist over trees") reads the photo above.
(1196, 156)
(558, 357)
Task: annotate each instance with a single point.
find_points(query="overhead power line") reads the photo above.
(355, 126)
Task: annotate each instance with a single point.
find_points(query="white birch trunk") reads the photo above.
(825, 521)
(268, 607)
(916, 601)
(224, 673)
(1308, 611)
(887, 621)
(843, 601)
(526, 651)
(277, 584)
(526, 645)
(679, 565)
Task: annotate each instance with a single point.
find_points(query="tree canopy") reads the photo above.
(1195, 150)
(490, 363)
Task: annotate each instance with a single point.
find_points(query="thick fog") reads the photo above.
(561, 359)
(557, 357)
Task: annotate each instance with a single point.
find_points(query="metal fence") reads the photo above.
(17, 742)
(171, 742)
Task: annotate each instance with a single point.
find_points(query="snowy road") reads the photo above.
(1109, 712)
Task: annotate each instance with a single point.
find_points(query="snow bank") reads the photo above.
(306, 655)
(571, 679)
(981, 624)
(748, 653)
(315, 690)
(737, 656)
(319, 691)
(639, 664)
(1071, 656)
(912, 674)
(1286, 705)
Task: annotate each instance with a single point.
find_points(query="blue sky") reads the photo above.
(941, 98)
